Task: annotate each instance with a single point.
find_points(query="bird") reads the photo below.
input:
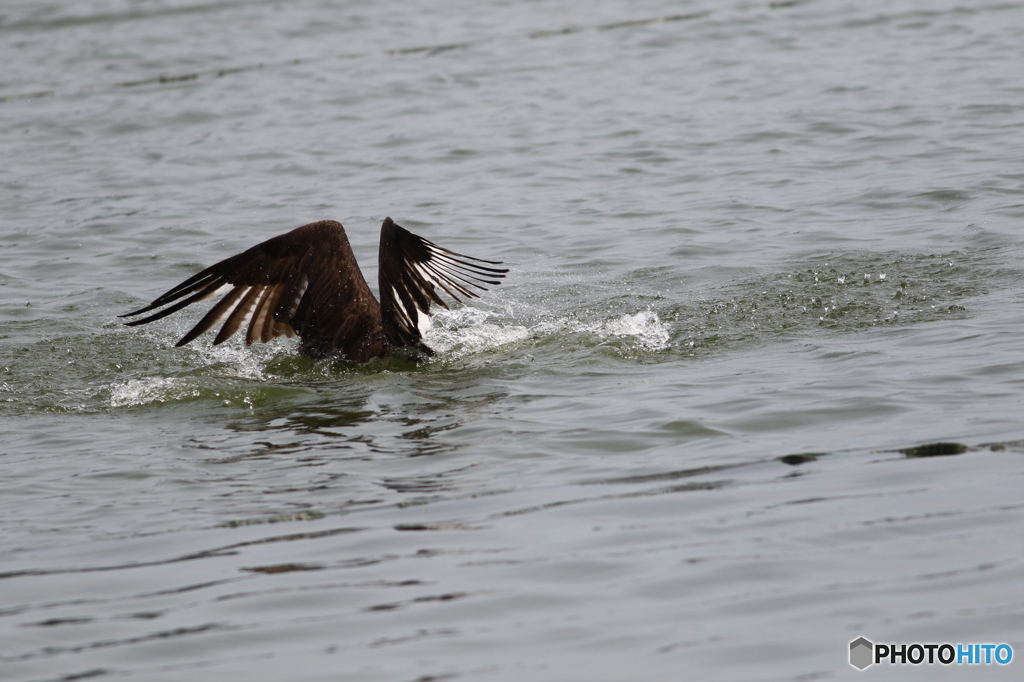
(307, 283)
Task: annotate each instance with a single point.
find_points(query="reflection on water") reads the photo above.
(480, 571)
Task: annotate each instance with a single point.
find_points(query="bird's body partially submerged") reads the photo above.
(307, 283)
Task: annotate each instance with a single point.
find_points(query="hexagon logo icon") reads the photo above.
(861, 653)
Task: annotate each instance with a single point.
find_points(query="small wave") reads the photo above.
(149, 390)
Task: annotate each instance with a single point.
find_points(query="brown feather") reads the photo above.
(214, 316)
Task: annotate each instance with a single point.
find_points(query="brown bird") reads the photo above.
(307, 283)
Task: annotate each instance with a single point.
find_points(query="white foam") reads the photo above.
(469, 330)
(646, 327)
(149, 390)
(466, 331)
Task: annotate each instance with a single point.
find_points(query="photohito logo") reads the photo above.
(864, 652)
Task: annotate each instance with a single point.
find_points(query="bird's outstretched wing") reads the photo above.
(305, 282)
(412, 270)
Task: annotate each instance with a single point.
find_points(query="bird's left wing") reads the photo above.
(271, 288)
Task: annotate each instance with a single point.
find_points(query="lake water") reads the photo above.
(760, 254)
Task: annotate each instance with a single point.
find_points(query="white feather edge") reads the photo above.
(423, 320)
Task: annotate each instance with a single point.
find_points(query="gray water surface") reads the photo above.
(759, 252)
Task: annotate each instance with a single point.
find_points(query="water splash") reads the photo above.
(649, 332)
(468, 331)
(255, 371)
(239, 361)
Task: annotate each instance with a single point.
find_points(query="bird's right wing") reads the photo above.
(412, 270)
